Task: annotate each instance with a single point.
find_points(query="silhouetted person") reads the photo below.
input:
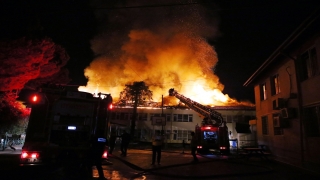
(98, 144)
(157, 141)
(10, 144)
(183, 146)
(112, 142)
(125, 139)
(9, 140)
(193, 145)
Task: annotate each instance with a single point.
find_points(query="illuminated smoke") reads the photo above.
(165, 47)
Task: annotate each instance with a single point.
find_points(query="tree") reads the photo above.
(12, 112)
(27, 62)
(137, 94)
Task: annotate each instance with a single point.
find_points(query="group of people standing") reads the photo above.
(125, 140)
(99, 142)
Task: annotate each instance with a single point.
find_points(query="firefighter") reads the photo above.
(98, 144)
(112, 142)
(157, 142)
(193, 145)
(125, 140)
(183, 146)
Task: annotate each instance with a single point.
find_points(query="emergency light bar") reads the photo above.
(209, 128)
(72, 127)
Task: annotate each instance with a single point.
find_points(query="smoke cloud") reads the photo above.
(164, 46)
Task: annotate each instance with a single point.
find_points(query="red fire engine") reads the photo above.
(61, 123)
(212, 134)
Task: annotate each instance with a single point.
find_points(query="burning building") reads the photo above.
(179, 122)
(164, 48)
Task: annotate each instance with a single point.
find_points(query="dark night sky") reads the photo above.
(250, 31)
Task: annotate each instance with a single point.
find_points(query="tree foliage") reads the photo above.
(136, 91)
(27, 62)
(11, 111)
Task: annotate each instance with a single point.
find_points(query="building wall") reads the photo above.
(284, 145)
(292, 146)
(145, 128)
(311, 98)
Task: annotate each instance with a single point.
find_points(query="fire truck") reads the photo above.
(212, 133)
(61, 125)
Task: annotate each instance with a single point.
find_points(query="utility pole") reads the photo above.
(134, 114)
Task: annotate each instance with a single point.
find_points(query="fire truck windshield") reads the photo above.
(209, 135)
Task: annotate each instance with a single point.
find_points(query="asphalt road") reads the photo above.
(174, 166)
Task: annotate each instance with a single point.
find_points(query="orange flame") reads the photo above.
(163, 61)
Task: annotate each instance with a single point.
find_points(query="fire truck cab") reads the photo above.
(62, 124)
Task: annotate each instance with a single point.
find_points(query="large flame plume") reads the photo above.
(164, 57)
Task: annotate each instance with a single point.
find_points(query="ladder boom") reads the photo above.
(211, 116)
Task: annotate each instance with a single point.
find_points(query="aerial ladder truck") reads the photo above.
(212, 134)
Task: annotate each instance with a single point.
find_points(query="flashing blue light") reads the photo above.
(102, 140)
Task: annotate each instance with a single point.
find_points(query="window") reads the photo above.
(154, 115)
(181, 134)
(168, 117)
(308, 64)
(115, 116)
(183, 117)
(311, 118)
(277, 130)
(264, 120)
(263, 92)
(168, 134)
(128, 116)
(122, 116)
(275, 85)
(175, 132)
(143, 116)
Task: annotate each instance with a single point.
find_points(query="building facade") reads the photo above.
(176, 124)
(287, 97)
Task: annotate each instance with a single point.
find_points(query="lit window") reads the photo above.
(263, 92)
(181, 134)
(275, 85)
